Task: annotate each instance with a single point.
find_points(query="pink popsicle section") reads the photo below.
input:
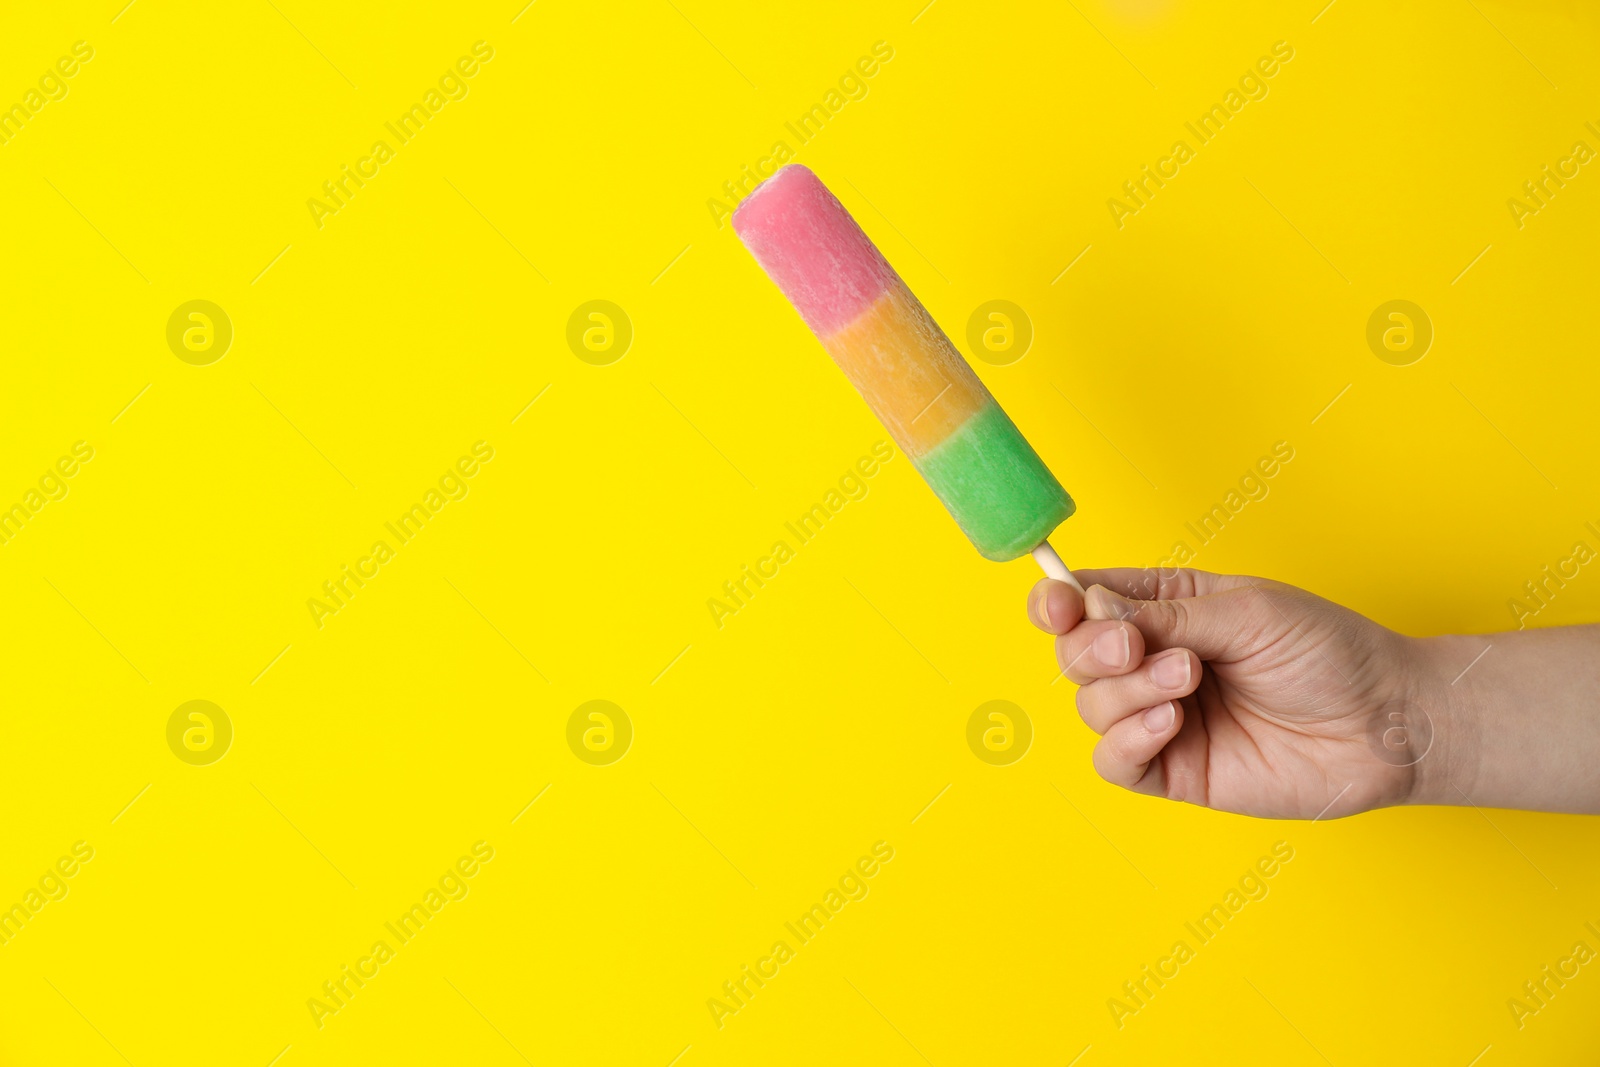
(810, 246)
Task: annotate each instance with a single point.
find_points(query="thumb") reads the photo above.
(1212, 626)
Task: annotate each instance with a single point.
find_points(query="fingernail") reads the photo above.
(1111, 648)
(1058, 600)
(1114, 605)
(1158, 720)
(1044, 609)
(1171, 671)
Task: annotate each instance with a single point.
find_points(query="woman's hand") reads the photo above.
(1237, 693)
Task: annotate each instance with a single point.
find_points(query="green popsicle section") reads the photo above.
(995, 485)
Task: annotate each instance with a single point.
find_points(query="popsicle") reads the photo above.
(966, 448)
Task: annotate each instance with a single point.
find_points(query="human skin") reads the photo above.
(1252, 696)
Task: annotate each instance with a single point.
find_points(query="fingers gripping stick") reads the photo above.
(1050, 562)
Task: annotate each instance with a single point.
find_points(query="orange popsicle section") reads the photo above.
(907, 371)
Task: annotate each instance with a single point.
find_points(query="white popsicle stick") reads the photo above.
(1051, 564)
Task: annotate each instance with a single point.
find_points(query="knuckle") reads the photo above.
(1170, 615)
(1185, 583)
(1171, 582)
(1148, 584)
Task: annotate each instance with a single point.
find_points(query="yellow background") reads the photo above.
(825, 716)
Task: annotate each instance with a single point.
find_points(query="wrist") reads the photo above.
(1441, 697)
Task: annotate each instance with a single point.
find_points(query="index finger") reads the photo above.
(1160, 583)
(1054, 607)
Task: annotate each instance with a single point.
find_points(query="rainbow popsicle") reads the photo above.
(970, 453)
